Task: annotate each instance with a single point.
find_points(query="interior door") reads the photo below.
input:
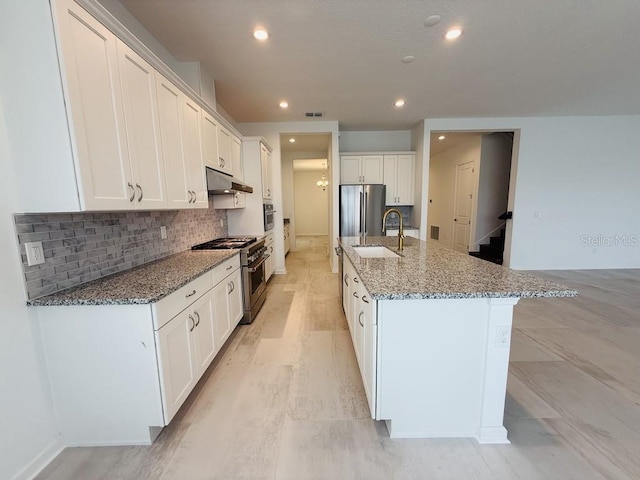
(463, 206)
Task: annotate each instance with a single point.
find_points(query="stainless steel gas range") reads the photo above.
(252, 257)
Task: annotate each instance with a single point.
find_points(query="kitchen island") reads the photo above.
(431, 329)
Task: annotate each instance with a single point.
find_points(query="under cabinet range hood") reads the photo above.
(219, 183)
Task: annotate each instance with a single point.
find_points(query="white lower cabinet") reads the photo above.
(270, 262)
(361, 313)
(119, 373)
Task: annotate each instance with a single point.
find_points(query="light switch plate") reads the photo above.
(35, 253)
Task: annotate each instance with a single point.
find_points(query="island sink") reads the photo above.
(374, 251)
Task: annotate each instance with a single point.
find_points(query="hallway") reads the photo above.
(284, 400)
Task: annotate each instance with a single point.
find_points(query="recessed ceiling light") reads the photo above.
(260, 34)
(408, 59)
(441, 137)
(284, 104)
(432, 20)
(400, 103)
(292, 140)
(453, 33)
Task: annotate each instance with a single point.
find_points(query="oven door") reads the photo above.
(254, 279)
(269, 219)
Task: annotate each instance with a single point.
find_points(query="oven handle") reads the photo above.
(255, 268)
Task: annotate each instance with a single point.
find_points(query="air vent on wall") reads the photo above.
(314, 114)
(435, 232)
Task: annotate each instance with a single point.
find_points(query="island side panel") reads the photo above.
(102, 366)
(491, 429)
(431, 366)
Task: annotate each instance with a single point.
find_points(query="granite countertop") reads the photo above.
(430, 270)
(144, 284)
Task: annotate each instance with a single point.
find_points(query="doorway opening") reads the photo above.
(306, 188)
(470, 191)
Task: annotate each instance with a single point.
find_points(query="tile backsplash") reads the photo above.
(80, 247)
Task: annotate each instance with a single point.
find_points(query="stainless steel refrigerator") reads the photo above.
(361, 210)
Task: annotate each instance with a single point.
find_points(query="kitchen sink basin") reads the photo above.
(372, 251)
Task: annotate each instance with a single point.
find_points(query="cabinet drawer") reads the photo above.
(171, 305)
(268, 239)
(224, 269)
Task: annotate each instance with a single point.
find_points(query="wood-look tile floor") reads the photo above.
(284, 400)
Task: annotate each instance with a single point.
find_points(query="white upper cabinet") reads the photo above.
(170, 113)
(224, 150)
(236, 158)
(89, 58)
(192, 148)
(210, 154)
(137, 79)
(361, 169)
(181, 146)
(265, 164)
(399, 172)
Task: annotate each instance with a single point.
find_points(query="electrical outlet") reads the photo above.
(221, 222)
(35, 253)
(163, 232)
(503, 335)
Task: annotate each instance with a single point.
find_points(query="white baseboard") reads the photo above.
(43, 459)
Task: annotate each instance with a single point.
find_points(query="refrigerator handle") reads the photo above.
(360, 212)
(364, 211)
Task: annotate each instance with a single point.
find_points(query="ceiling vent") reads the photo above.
(314, 114)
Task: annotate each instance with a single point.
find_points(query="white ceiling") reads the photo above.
(450, 140)
(309, 142)
(515, 57)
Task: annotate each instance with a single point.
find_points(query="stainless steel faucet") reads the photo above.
(400, 232)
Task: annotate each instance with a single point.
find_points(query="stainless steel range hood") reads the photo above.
(219, 183)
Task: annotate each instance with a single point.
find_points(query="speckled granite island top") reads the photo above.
(144, 284)
(429, 270)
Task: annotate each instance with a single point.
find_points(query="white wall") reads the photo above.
(442, 179)
(28, 436)
(577, 186)
(398, 140)
(421, 177)
(311, 204)
(271, 132)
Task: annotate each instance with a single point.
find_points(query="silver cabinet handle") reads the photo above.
(133, 192)
(197, 316)
(360, 319)
(229, 267)
(355, 294)
(346, 279)
(232, 287)
(190, 294)
(222, 162)
(269, 192)
(364, 299)
(355, 279)
(193, 323)
(190, 196)
(139, 188)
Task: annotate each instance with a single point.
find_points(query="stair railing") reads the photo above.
(502, 225)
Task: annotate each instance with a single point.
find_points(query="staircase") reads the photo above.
(493, 251)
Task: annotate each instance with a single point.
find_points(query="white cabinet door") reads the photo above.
(177, 366)
(204, 336)
(234, 298)
(405, 180)
(390, 179)
(210, 153)
(90, 63)
(224, 148)
(137, 79)
(221, 312)
(192, 147)
(265, 164)
(170, 114)
(372, 169)
(236, 158)
(369, 346)
(350, 169)
(270, 265)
